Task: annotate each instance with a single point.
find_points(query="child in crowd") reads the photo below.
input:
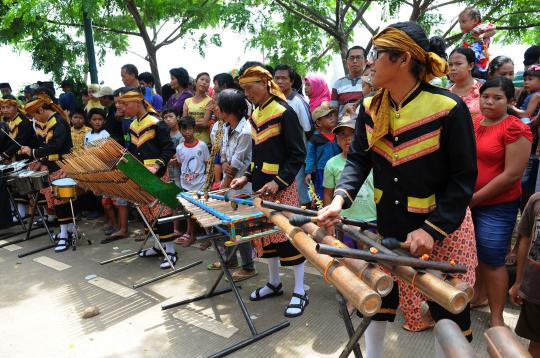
(363, 207)
(192, 156)
(93, 102)
(78, 128)
(321, 146)
(525, 292)
(476, 36)
(528, 109)
(170, 117)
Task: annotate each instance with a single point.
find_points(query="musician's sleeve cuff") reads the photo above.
(160, 162)
(280, 182)
(436, 232)
(347, 198)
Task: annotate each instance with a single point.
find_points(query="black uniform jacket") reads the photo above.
(278, 144)
(151, 142)
(424, 169)
(56, 142)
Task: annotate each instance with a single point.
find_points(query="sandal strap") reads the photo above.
(295, 305)
(303, 297)
(276, 289)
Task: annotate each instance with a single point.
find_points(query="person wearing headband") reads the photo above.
(419, 141)
(151, 143)
(55, 143)
(20, 129)
(278, 154)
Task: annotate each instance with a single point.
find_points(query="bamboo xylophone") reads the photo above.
(94, 168)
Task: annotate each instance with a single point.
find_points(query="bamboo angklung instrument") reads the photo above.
(451, 340)
(436, 289)
(351, 287)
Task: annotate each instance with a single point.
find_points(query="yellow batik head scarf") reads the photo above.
(135, 96)
(257, 73)
(380, 105)
(42, 99)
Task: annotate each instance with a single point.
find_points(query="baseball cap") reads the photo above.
(103, 91)
(345, 121)
(321, 111)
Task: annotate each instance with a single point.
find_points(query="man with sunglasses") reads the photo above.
(348, 90)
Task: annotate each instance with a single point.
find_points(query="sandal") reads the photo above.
(179, 240)
(424, 327)
(151, 252)
(165, 264)
(304, 302)
(243, 274)
(276, 291)
(113, 238)
(217, 266)
(62, 245)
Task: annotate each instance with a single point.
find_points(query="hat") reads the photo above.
(345, 121)
(103, 91)
(323, 110)
(531, 55)
(5, 85)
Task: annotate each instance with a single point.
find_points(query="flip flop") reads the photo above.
(479, 305)
(425, 326)
(113, 238)
(181, 239)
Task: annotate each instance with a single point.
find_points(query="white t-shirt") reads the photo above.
(302, 111)
(93, 136)
(192, 159)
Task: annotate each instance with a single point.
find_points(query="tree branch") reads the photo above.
(346, 8)
(323, 26)
(313, 13)
(443, 4)
(359, 15)
(518, 27)
(94, 26)
(515, 13)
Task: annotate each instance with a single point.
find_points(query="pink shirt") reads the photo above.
(472, 99)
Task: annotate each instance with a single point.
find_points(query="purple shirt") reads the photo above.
(177, 101)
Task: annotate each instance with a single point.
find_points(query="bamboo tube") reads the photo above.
(449, 297)
(502, 343)
(370, 274)
(355, 290)
(457, 283)
(451, 340)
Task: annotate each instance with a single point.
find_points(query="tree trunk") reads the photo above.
(343, 48)
(150, 46)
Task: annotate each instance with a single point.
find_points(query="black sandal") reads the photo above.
(165, 263)
(304, 301)
(62, 247)
(148, 253)
(276, 291)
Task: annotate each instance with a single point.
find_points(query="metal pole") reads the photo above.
(90, 53)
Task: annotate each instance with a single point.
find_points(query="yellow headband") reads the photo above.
(42, 99)
(133, 96)
(257, 73)
(380, 106)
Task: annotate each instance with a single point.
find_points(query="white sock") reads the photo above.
(63, 231)
(273, 277)
(169, 247)
(298, 288)
(70, 227)
(51, 218)
(21, 208)
(374, 337)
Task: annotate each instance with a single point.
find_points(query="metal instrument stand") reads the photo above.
(75, 238)
(157, 244)
(354, 335)
(255, 335)
(36, 208)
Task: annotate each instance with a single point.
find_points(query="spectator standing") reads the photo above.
(199, 107)
(146, 79)
(461, 64)
(180, 84)
(348, 90)
(317, 91)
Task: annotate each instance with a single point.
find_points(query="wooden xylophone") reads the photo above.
(106, 168)
(235, 218)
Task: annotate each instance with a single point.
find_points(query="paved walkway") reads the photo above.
(42, 297)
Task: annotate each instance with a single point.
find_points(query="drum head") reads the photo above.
(64, 182)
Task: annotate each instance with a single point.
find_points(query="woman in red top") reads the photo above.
(503, 144)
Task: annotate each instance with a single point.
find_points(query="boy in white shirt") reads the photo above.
(192, 156)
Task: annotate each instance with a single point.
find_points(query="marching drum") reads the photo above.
(39, 180)
(64, 188)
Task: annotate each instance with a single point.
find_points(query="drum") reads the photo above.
(21, 183)
(39, 180)
(64, 188)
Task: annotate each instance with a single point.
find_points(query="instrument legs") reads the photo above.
(37, 209)
(255, 336)
(348, 323)
(157, 244)
(355, 337)
(15, 209)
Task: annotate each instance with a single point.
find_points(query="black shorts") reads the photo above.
(390, 303)
(287, 253)
(528, 324)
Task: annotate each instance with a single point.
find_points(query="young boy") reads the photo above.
(97, 125)
(192, 156)
(78, 128)
(363, 207)
(476, 36)
(321, 146)
(525, 292)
